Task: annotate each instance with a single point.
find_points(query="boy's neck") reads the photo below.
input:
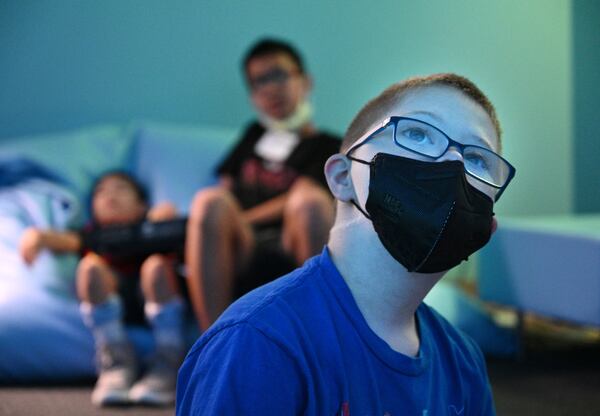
(386, 294)
(308, 130)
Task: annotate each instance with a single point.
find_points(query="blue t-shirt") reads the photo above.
(300, 345)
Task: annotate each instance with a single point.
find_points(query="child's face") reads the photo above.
(276, 85)
(453, 112)
(115, 201)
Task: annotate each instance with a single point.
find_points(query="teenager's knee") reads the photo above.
(308, 217)
(309, 203)
(209, 204)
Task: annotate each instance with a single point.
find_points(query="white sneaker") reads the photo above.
(117, 373)
(157, 386)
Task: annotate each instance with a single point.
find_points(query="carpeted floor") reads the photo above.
(62, 400)
(555, 375)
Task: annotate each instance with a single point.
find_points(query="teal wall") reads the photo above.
(66, 64)
(586, 108)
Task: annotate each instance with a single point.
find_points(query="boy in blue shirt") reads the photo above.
(415, 183)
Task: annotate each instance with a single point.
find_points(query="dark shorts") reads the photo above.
(269, 261)
(132, 297)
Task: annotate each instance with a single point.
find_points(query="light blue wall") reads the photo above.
(586, 109)
(65, 64)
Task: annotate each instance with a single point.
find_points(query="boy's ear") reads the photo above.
(337, 173)
(494, 224)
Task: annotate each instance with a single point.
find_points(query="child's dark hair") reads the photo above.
(139, 189)
(270, 46)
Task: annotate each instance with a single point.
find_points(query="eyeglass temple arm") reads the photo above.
(369, 136)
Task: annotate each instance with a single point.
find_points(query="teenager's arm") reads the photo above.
(271, 210)
(34, 240)
(268, 211)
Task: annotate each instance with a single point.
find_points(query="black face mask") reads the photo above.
(426, 214)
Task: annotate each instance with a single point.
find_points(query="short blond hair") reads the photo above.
(379, 107)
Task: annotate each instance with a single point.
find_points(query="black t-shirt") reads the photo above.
(256, 180)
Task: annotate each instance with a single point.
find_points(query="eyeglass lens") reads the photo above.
(426, 140)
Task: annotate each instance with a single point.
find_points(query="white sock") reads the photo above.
(166, 320)
(105, 320)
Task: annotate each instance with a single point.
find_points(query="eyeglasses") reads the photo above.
(427, 140)
(278, 76)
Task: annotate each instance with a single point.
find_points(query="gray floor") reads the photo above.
(62, 400)
(550, 380)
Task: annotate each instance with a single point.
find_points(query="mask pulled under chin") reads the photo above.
(426, 214)
(301, 115)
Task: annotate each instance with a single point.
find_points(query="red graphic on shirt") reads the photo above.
(276, 177)
(345, 409)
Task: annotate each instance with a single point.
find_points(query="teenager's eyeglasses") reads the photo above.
(427, 140)
(278, 76)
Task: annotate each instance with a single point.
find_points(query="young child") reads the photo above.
(347, 333)
(117, 289)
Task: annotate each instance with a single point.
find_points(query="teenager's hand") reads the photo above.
(162, 212)
(31, 244)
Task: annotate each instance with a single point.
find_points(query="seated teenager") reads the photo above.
(272, 209)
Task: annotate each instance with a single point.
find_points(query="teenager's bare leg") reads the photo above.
(307, 219)
(95, 281)
(218, 242)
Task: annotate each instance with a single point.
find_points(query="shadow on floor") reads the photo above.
(557, 373)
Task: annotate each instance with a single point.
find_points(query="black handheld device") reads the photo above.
(143, 238)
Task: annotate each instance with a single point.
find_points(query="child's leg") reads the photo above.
(164, 306)
(101, 308)
(102, 312)
(164, 310)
